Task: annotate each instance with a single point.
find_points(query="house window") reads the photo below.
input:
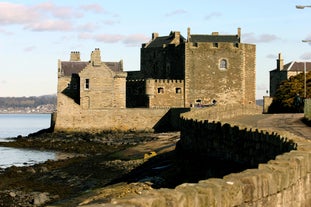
(223, 64)
(215, 44)
(178, 90)
(160, 90)
(87, 84)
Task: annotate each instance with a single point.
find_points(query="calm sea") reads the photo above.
(12, 125)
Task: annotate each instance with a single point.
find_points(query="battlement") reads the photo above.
(165, 81)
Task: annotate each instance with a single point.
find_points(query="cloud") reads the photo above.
(108, 38)
(132, 40)
(29, 49)
(111, 22)
(93, 8)
(87, 27)
(57, 11)
(176, 12)
(50, 25)
(212, 15)
(16, 13)
(2, 31)
(263, 38)
(306, 56)
(135, 40)
(39, 17)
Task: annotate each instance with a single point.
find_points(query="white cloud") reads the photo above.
(263, 38)
(50, 25)
(176, 12)
(306, 56)
(135, 40)
(212, 15)
(94, 8)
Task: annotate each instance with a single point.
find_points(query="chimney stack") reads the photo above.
(280, 62)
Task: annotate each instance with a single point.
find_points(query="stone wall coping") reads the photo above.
(274, 183)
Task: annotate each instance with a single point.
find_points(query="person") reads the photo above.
(297, 103)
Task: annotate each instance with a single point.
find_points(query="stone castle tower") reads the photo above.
(181, 72)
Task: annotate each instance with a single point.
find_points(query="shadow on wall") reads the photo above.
(170, 121)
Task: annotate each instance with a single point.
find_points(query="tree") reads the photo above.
(284, 100)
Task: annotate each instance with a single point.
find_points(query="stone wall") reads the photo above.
(137, 119)
(207, 79)
(278, 180)
(165, 93)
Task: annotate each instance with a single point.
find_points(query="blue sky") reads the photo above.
(34, 34)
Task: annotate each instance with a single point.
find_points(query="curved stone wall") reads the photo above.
(284, 180)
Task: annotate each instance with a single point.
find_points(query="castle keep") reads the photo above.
(176, 72)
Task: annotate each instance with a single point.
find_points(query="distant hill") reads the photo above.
(32, 104)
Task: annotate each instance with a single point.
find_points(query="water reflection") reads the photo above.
(23, 157)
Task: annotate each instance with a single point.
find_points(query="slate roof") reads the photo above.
(75, 67)
(296, 66)
(160, 41)
(214, 38)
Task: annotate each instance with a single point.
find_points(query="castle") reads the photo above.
(176, 72)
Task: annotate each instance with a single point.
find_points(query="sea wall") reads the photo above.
(136, 119)
(280, 176)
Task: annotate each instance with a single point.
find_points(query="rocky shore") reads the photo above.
(89, 163)
(92, 169)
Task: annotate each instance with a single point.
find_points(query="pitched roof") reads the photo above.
(214, 38)
(164, 40)
(75, 67)
(72, 67)
(296, 66)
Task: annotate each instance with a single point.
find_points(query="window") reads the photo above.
(160, 90)
(223, 64)
(215, 44)
(87, 84)
(178, 90)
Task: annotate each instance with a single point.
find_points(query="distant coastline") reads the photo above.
(28, 105)
(42, 109)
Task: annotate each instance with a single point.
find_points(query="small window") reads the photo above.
(178, 90)
(160, 90)
(215, 44)
(87, 84)
(223, 64)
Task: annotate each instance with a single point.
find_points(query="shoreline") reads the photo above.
(85, 162)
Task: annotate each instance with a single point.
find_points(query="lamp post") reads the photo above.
(305, 63)
(305, 74)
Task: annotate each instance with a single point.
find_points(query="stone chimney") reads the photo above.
(188, 34)
(95, 57)
(239, 33)
(176, 36)
(215, 33)
(155, 35)
(280, 63)
(75, 56)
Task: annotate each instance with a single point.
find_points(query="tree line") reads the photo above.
(32, 101)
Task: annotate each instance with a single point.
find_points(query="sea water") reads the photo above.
(13, 125)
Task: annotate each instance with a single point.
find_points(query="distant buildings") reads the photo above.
(285, 71)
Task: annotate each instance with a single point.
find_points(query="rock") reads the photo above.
(12, 194)
(41, 199)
